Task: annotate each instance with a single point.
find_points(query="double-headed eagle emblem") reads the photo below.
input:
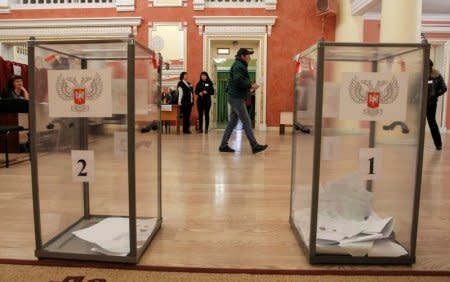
(384, 92)
(80, 90)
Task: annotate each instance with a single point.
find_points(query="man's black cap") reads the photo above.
(243, 52)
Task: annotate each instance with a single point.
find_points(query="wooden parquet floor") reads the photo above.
(224, 210)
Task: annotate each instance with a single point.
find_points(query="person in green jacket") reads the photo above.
(239, 87)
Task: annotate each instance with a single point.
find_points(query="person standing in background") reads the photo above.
(185, 100)
(436, 88)
(204, 89)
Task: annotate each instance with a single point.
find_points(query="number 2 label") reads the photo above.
(82, 166)
(370, 163)
(82, 171)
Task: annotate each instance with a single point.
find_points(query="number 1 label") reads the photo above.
(370, 163)
(82, 166)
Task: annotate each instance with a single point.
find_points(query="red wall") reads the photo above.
(296, 28)
(371, 31)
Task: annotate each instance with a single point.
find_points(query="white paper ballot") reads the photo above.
(112, 234)
(386, 248)
(346, 223)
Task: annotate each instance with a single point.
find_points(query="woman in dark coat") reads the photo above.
(185, 100)
(204, 89)
(15, 89)
(436, 88)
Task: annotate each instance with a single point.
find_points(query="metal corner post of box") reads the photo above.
(356, 165)
(92, 97)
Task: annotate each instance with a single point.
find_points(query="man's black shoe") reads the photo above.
(226, 148)
(258, 148)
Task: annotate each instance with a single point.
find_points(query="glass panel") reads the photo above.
(109, 192)
(114, 49)
(369, 158)
(394, 193)
(303, 143)
(369, 140)
(66, 202)
(61, 199)
(147, 143)
(355, 53)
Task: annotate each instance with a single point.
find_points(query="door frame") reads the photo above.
(261, 70)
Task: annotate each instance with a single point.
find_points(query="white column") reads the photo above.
(348, 29)
(400, 21)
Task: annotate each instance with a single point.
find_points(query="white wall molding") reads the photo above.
(425, 17)
(234, 22)
(271, 4)
(266, 4)
(125, 5)
(4, 6)
(360, 7)
(230, 30)
(120, 5)
(372, 16)
(442, 24)
(167, 3)
(435, 28)
(198, 5)
(436, 17)
(68, 27)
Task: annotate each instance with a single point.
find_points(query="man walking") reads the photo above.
(239, 86)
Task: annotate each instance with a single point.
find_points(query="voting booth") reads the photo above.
(95, 148)
(359, 117)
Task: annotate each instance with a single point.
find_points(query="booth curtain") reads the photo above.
(7, 71)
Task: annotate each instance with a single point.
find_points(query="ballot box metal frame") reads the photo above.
(44, 249)
(313, 256)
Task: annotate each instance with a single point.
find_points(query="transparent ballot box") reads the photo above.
(359, 116)
(95, 148)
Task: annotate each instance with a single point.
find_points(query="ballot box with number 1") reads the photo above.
(359, 116)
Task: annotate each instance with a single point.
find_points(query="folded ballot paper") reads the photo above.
(346, 223)
(111, 235)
